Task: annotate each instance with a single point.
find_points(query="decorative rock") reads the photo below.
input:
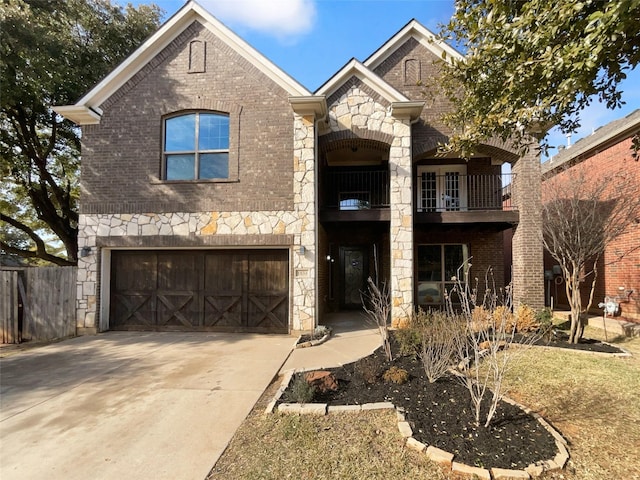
(303, 409)
(505, 474)
(322, 381)
(270, 407)
(440, 456)
(472, 472)
(344, 408)
(562, 456)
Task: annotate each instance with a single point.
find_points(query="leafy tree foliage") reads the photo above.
(532, 64)
(51, 53)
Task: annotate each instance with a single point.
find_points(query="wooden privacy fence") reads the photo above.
(37, 303)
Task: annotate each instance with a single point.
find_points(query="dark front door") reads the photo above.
(353, 261)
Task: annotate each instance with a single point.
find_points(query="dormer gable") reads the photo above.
(88, 111)
(421, 34)
(355, 68)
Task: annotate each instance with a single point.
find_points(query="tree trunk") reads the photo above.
(575, 303)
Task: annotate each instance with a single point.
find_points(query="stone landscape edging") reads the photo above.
(312, 343)
(437, 455)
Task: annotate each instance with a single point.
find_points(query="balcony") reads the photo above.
(363, 195)
(454, 197)
(355, 194)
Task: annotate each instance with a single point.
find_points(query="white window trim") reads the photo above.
(441, 201)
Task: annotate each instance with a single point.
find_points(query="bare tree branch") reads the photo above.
(582, 215)
(40, 252)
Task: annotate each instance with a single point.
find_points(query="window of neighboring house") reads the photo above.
(196, 146)
(437, 265)
(442, 188)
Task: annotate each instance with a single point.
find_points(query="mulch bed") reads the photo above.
(440, 414)
(559, 339)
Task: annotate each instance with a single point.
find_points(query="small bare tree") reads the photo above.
(485, 346)
(581, 215)
(377, 305)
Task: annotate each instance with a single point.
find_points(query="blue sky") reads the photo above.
(312, 39)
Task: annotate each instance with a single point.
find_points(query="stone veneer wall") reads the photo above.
(304, 192)
(243, 227)
(357, 108)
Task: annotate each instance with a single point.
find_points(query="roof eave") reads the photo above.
(425, 36)
(166, 34)
(78, 114)
(357, 69)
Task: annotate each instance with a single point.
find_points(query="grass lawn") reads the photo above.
(594, 401)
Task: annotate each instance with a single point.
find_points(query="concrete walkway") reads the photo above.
(353, 338)
(130, 405)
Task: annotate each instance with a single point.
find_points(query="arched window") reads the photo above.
(196, 146)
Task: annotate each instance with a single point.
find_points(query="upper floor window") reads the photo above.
(196, 146)
(442, 188)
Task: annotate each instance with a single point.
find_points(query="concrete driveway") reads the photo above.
(130, 405)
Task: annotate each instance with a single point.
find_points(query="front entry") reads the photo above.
(354, 268)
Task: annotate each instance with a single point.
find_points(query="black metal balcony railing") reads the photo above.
(355, 189)
(458, 192)
(369, 189)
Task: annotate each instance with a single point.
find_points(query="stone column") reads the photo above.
(87, 279)
(400, 184)
(304, 254)
(528, 265)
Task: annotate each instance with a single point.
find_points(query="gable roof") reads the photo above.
(354, 68)
(614, 131)
(87, 110)
(422, 34)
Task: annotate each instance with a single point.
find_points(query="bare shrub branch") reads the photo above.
(377, 305)
(485, 346)
(439, 336)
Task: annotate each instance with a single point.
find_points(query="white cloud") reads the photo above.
(283, 19)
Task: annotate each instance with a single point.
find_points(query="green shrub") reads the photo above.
(396, 375)
(408, 339)
(300, 391)
(544, 317)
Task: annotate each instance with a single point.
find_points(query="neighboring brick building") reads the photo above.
(606, 152)
(219, 194)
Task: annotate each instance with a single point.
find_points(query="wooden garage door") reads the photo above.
(232, 291)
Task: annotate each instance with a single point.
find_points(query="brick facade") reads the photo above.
(281, 137)
(122, 156)
(620, 263)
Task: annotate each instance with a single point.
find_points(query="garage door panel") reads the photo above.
(133, 310)
(200, 290)
(136, 271)
(177, 309)
(268, 312)
(178, 271)
(224, 272)
(223, 310)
